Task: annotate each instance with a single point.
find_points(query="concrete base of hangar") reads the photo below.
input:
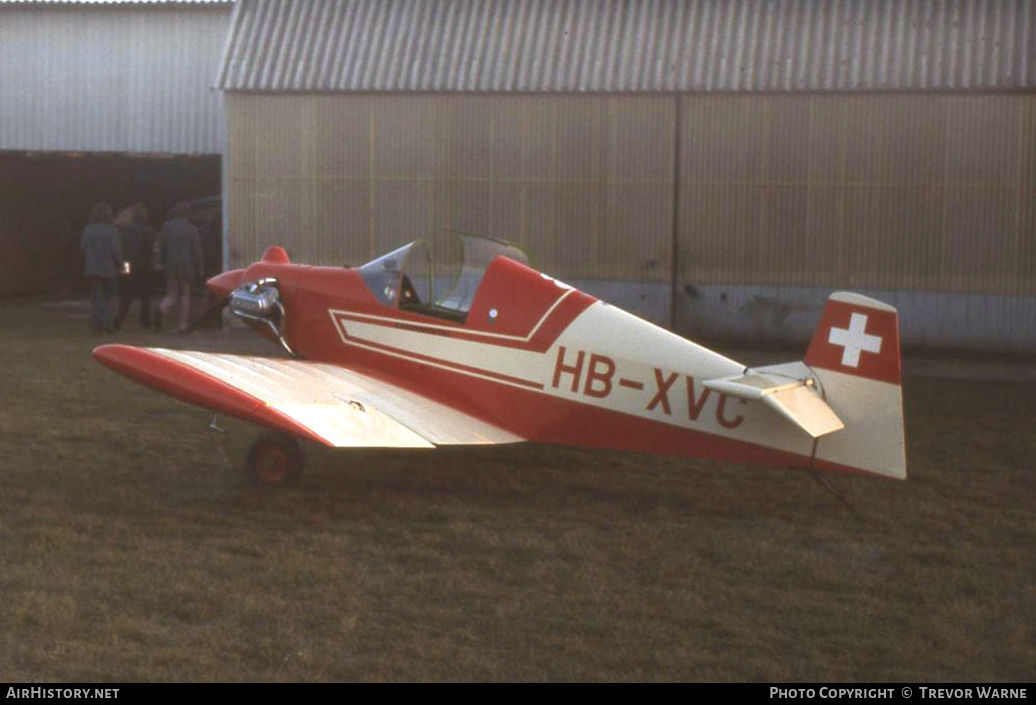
(935, 320)
(773, 316)
(45, 201)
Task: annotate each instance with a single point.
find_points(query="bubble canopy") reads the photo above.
(409, 278)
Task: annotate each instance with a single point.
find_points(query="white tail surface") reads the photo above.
(793, 398)
(855, 356)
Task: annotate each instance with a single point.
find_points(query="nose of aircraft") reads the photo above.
(222, 284)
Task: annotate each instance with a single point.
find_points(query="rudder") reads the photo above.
(855, 355)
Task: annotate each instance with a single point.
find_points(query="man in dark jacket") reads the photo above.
(138, 239)
(180, 255)
(102, 259)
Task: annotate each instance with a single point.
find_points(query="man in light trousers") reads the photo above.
(180, 255)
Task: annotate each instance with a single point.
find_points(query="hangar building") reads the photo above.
(718, 166)
(107, 100)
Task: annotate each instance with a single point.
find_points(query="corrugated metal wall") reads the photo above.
(916, 192)
(112, 78)
(584, 183)
(903, 192)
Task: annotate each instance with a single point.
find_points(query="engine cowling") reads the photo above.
(260, 302)
(257, 300)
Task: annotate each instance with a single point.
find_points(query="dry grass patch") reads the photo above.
(128, 551)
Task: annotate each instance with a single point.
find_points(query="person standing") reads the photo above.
(181, 258)
(102, 259)
(138, 238)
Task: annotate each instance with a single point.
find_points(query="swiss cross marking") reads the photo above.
(854, 340)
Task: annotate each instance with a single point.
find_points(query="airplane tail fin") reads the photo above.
(855, 357)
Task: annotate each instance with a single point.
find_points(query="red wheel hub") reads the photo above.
(271, 463)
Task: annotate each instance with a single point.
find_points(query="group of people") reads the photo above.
(121, 255)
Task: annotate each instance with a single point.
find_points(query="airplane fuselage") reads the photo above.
(540, 359)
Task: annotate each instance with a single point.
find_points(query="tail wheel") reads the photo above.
(274, 460)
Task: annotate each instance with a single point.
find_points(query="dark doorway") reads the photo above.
(45, 199)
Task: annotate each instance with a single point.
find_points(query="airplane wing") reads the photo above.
(325, 403)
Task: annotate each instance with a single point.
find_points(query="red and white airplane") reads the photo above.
(393, 354)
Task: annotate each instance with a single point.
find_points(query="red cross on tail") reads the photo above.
(857, 335)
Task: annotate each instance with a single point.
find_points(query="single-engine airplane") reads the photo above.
(392, 354)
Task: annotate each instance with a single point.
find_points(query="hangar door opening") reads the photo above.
(45, 200)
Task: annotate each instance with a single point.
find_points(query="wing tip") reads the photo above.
(109, 353)
(151, 368)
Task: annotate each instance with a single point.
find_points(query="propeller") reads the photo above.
(217, 296)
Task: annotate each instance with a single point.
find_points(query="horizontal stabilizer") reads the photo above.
(794, 399)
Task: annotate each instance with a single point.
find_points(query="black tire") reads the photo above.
(274, 460)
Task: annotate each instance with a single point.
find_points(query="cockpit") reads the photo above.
(444, 286)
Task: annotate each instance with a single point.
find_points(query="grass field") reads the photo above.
(128, 551)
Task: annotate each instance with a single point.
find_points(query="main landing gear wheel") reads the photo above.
(274, 460)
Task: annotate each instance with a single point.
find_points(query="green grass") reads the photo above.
(128, 552)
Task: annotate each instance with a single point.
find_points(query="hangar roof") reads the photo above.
(630, 45)
(112, 77)
(114, 2)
